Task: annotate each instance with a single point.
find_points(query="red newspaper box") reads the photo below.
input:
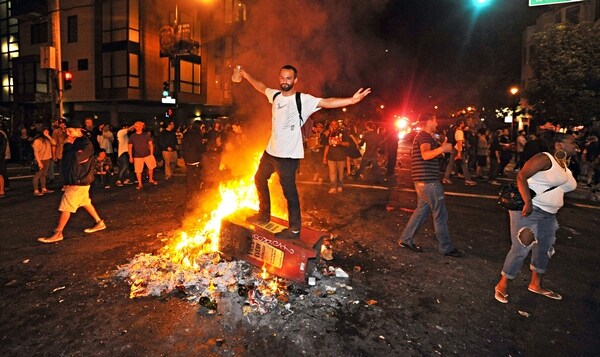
(287, 258)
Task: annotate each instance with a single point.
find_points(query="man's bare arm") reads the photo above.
(344, 102)
(258, 85)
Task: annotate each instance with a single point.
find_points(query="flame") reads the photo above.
(233, 195)
(264, 274)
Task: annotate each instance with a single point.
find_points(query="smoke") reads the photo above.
(326, 40)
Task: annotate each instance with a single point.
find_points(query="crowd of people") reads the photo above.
(547, 165)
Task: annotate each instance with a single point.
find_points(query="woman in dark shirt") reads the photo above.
(495, 155)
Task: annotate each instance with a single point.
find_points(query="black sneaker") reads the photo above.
(287, 234)
(414, 248)
(454, 253)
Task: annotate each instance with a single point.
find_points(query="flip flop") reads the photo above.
(500, 296)
(549, 294)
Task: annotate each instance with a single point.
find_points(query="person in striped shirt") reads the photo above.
(425, 173)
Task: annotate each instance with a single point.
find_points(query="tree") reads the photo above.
(565, 87)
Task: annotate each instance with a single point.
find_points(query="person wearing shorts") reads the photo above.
(78, 175)
(141, 148)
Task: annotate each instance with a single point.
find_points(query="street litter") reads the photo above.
(209, 278)
(523, 313)
(59, 288)
(340, 273)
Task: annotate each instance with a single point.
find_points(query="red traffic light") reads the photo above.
(67, 77)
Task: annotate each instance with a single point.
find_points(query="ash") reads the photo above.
(212, 280)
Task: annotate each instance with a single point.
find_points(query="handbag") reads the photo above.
(510, 198)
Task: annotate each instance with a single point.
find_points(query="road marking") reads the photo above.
(447, 193)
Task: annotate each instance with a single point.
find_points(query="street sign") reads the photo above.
(168, 100)
(550, 2)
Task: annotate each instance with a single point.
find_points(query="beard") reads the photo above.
(286, 87)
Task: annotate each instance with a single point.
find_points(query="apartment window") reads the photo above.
(120, 21)
(572, 15)
(9, 49)
(30, 78)
(114, 69)
(120, 39)
(189, 80)
(39, 33)
(82, 64)
(72, 33)
(235, 11)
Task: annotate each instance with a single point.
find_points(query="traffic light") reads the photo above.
(169, 113)
(67, 77)
(166, 89)
(482, 3)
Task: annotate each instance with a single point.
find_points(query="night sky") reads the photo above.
(455, 48)
(413, 53)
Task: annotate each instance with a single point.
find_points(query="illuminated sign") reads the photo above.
(550, 2)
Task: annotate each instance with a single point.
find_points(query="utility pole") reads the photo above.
(58, 93)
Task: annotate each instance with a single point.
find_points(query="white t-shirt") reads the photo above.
(123, 139)
(286, 136)
(459, 135)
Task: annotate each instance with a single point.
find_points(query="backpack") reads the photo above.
(307, 127)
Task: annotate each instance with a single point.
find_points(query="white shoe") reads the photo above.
(97, 227)
(55, 238)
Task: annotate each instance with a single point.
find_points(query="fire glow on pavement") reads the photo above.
(191, 264)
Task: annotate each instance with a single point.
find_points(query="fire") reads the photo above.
(192, 261)
(264, 274)
(233, 195)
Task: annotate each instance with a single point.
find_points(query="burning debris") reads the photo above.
(210, 278)
(155, 275)
(269, 273)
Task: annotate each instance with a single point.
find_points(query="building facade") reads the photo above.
(574, 13)
(122, 55)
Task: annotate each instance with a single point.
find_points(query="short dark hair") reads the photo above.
(426, 117)
(291, 68)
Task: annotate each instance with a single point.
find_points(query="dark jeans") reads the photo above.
(286, 169)
(363, 165)
(123, 163)
(494, 168)
(392, 161)
(194, 178)
(505, 157)
(102, 179)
